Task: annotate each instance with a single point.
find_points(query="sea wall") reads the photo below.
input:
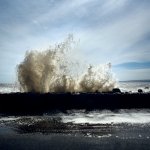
(36, 103)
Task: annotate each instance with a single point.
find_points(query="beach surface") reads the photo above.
(25, 134)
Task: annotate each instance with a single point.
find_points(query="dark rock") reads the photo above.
(146, 87)
(116, 90)
(140, 91)
(126, 92)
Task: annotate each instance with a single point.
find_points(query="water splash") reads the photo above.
(54, 70)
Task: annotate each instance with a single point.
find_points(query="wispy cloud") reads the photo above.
(116, 31)
(119, 38)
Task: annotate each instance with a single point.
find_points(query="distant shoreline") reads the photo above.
(147, 80)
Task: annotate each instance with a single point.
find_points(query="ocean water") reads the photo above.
(125, 86)
(9, 88)
(133, 86)
(81, 117)
(133, 116)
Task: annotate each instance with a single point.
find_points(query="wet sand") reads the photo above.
(58, 142)
(95, 137)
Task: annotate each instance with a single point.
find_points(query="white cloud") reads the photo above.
(111, 5)
(108, 30)
(115, 40)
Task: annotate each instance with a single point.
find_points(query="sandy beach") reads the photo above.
(14, 136)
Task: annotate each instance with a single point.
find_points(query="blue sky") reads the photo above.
(116, 31)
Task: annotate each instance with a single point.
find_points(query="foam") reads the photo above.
(54, 70)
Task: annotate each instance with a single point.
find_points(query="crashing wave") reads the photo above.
(54, 70)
